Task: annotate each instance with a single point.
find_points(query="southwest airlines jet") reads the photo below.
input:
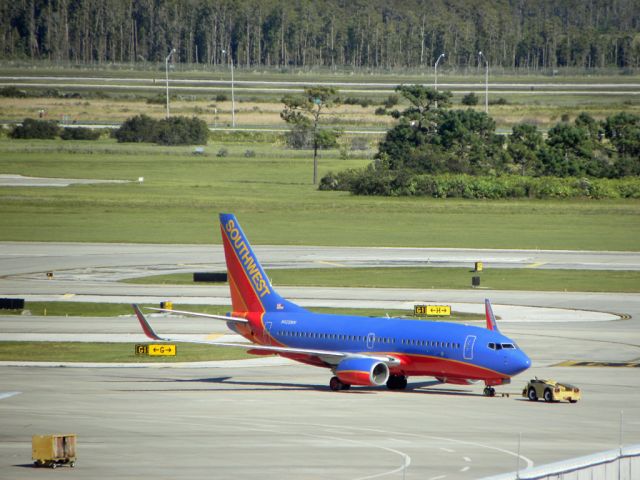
(358, 350)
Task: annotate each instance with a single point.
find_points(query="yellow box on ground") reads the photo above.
(432, 310)
(160, 350)
(53, 449)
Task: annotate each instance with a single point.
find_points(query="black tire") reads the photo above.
(397, 382)
(489, 392)
(335, 384)
(532, 395)
(548, 396)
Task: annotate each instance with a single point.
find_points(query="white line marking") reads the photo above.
(406, 458)
(4, 395)
(464, 469)
(439, 477)
(466, 459)
(448, 450)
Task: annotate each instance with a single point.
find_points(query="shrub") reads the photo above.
(249, 153)
(362, 101)
(391, 101)
(32, 128)
(79, 133)
(498, 101)
(381, 111)
(470, 99)
(181, 131)
(140, 128)
(157, 100)
(221, 97)
(169, 131)
(371, 181)
(223, 152)
(11, 91)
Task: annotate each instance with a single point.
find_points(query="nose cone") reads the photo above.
(521, 362)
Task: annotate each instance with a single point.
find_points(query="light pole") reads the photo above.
(435, 67)
(486, 83)
(233, 98)
(166, 69)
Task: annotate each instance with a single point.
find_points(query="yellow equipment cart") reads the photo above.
(53, 450)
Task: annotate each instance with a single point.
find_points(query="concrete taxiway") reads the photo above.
(269, 418)
(282, 422)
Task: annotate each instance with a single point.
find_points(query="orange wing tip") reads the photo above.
(146, 328)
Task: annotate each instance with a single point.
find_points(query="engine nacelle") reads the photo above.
(362, 371)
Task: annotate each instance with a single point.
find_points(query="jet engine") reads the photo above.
(362, 371)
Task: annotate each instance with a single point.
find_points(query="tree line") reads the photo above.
(437, 151)
(534, 34)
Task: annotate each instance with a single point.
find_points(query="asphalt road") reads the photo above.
(273, 419)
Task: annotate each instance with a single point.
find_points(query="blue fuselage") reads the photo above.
(440, 349)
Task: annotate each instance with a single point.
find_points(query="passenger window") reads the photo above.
(492, 346)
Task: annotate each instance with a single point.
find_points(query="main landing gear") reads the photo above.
(336, 384)
(397, 382)
(489, 392)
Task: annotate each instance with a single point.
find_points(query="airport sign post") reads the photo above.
(157, 350)
(432, 310)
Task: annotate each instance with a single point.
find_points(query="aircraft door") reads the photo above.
(371, 339)
(468, 347)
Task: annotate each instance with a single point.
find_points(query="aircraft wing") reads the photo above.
(329, 356)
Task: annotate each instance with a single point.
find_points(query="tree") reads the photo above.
(430, 140)
(140, 128)
(470, 99)
(523, 147)
(303, 112)
(32, 128)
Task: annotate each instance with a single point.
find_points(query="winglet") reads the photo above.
(491, 318)
(148, 331)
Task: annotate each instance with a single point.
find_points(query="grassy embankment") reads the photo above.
(273, 198)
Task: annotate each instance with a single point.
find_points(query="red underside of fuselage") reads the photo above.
(416, 365)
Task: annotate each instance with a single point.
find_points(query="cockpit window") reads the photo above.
(492, 346)
(508, 345)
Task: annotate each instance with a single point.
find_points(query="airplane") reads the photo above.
(358, 350)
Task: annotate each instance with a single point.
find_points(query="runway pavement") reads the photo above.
(272, 419)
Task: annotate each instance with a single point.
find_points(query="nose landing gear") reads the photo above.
(489, 392)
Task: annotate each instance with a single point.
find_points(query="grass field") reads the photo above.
(84, 309)
(441, 278)
(274, 199)
(112, 353)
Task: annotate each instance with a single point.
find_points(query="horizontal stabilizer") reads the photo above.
(204, 315)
